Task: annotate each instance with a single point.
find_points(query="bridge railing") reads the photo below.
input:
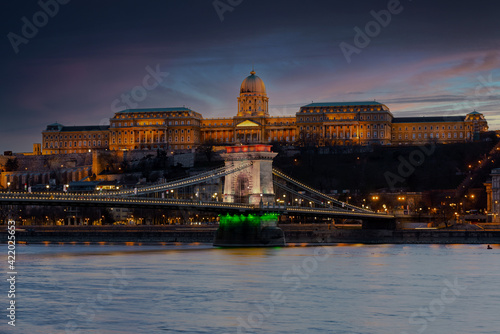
(186, 182)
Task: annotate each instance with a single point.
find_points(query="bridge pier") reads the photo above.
(249, 231)
(253, 184)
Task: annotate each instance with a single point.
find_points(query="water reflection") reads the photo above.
(200, 289)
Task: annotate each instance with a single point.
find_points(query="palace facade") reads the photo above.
(330, 123)
(60, 139)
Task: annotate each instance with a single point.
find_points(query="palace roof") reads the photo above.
(155, 110)
(431, 119)
(62, 128)
(343, 104)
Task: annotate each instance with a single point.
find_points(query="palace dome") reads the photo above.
(253, 84)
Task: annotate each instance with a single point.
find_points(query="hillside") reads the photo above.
(409, 168)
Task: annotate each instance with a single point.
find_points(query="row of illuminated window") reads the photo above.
(223, 140)
(342, 118)
(281, 123)
(250, 108)
(153, 140)
(65, 151)
(341, 127)
(56, 137)
(347, 135)
(282, 138)
(368, 134)
(432, 135)
(155, 115)
(221, 124)
(120, 124)
(119, 133)
(435, 127)
(231, 124)
(80, 143)
(269, 133)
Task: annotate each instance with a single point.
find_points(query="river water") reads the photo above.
(368, 289)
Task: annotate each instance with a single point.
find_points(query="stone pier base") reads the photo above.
(248, 231)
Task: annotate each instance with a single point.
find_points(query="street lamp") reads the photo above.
(8, 186)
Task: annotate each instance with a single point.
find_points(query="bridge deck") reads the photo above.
(62, 199)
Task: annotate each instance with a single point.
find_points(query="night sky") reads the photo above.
(432, 58)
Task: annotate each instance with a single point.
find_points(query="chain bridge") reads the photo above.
(249, 183)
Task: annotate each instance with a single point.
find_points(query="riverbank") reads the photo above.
(294, 234)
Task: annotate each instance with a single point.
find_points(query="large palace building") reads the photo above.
(330, 123)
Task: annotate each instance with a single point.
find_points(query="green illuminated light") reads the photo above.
(227, 220)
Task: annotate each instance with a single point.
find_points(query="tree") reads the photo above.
(11, 165)
(207, 149)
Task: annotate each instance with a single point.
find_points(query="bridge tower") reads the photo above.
(253, 184)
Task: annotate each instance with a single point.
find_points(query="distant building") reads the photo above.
(60, 139)
(493, 193)
(440, 129)
(320, 124)
(161, 128)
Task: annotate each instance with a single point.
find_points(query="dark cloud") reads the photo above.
(428, 57)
